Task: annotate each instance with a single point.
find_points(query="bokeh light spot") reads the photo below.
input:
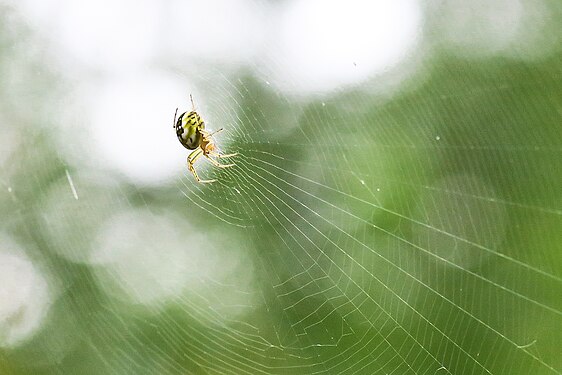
(323, 45)
(24, 295)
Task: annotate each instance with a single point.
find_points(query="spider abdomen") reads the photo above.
(188, 129)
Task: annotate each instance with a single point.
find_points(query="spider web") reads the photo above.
(358, 233)
(394, 264)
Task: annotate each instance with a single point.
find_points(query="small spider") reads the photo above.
(191, 133)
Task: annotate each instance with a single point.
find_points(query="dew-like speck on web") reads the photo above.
(71, 183)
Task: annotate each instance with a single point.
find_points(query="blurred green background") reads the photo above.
(395, 208)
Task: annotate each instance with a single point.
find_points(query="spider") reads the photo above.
(191, 133)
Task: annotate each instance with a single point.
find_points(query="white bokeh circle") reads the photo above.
(132, 128)
(24, 294)
(320, 45)
(226, 31)
(150, 259)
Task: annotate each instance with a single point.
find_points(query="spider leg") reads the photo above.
(216, 131)
(207, 134)
(219, 155)
(192, 104)
(191, 159)
(216, 163)
(175, 114)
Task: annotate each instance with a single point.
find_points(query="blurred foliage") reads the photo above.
(391, 236)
